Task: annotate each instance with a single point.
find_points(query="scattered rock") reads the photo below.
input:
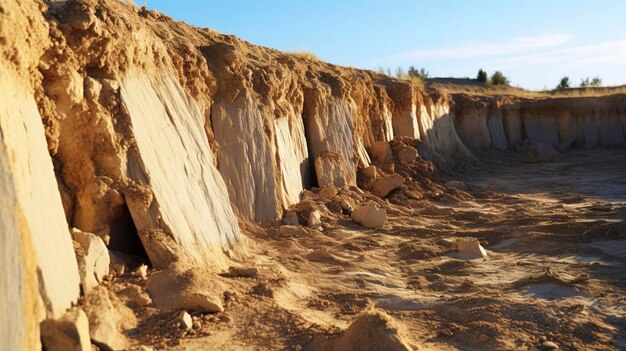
(381, 152)
(369, 216)
(345, 204)
(455, 184)
(328, 192)
(185, 320)
(104, 320)
(297, 347)
(141, 272)
(383, 186)
(68, 333)
(470, 248)
(315, 220)
(407, 154)
(542, 152)
(246, 272)
(290, 218)
(93, 259)
(193, 289)
(549, 345)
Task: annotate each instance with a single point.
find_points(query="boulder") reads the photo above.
(68, 333)
(194, 289)
(369, 216)
(383, 186)
(104, 320)
(470, 248)
(93, 259)
(381, 152)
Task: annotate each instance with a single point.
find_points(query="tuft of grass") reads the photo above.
(304, 54)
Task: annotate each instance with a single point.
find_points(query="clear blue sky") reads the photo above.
(534, 42)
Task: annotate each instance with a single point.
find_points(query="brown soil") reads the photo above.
(554, 234)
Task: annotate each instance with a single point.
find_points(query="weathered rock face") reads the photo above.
(564, 123)
(182, 194)
(37, 254)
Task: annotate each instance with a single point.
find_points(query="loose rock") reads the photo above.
(187, 289)
(549, 345)
(68, 333)
(290, 218)
(383, 186)
(470, 248)
(93, 259)
(369, 216)
(185, 320)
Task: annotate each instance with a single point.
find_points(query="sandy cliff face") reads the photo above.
(504, 122)
(159, 137)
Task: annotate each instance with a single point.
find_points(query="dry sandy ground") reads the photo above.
(557, 249)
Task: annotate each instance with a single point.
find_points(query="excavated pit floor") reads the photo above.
(555, 237)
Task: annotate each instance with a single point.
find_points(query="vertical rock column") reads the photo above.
(180, 204)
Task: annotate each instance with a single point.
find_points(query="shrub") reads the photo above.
(564, 83)
(593, 82)
(499, 79)
(304, 54)
(481, 76)
(415, 74)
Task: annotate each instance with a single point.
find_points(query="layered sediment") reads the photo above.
(160, 138)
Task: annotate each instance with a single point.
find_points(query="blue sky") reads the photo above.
(533, 42)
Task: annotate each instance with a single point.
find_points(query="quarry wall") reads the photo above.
(159, 138)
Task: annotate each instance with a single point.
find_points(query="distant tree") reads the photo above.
(420, 74)
(380, 70)
(499, 79)
(564, 83)
(593, 82)
(481, 76)
(400, 73)
(389, 71)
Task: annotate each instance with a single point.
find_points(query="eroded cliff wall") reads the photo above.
(159, 137)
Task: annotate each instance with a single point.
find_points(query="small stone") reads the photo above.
(145, 348)
(246, 272)
(197, 325)
(315, 220)
(297, 347)
(369, 216)
(70, 332)
(383, 186)
(483, 338)
(543, 338)
(290, 218)
(141, 272)
(470, 248)
(549, 345)
(185, 320)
